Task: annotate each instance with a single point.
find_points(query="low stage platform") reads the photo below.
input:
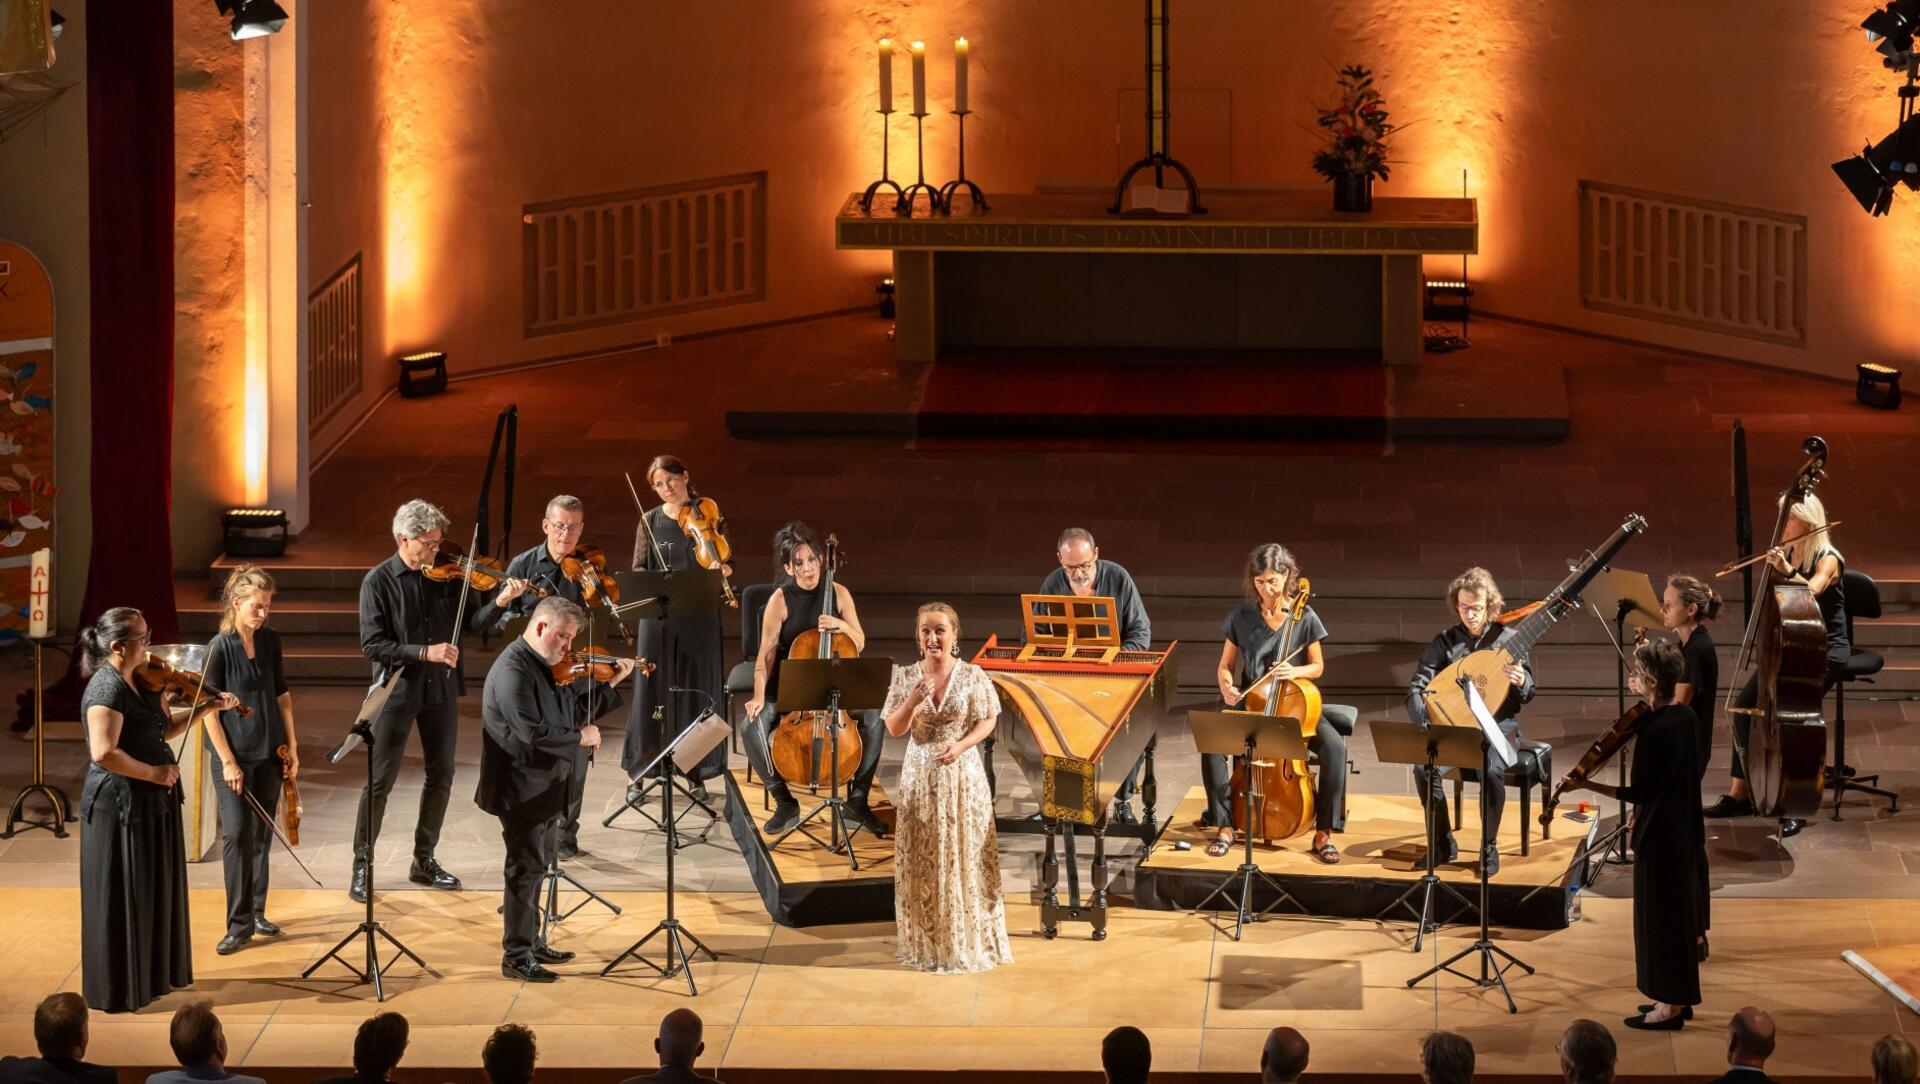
(801, 882)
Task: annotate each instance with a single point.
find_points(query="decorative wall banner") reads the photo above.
(27, 486)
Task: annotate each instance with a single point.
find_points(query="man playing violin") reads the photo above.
(1477, 600)
(1083, 573)
(534, 725)
(542, 568)
(407, 622)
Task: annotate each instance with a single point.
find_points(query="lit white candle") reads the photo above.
(886, 75)
(39, 593)
(919, 78)
(960, 76)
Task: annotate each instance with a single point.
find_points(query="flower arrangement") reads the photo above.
(1357, 129)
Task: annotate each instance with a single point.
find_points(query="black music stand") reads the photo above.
(669, 927)
(369, 928)
(1634, 599)
(833, 686)
(651, 594)
(1250, 735)
(1435, 747)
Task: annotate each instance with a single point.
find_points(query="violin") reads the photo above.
(482, 572)
(802, 744)
(161, 676)
(1786, 643)
(1604, 748)
(700, 519)
(290, 804)
(587, 566)
(595, 665)
(1281, 790)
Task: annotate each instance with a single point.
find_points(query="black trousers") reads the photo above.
(576, 793)
(1747, 697)
(246, 845)
(530, 844)
(872, 733)
(439, 732)
(1493, 791)
(1329, 790)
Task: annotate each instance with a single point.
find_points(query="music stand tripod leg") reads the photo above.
(838, 830)
(1244, 876)
(669, 926)
(1430, 885)
(1492, 972)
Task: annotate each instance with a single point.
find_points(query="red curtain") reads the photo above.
(130, 173)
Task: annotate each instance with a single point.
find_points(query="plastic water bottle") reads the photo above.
(1573, 905)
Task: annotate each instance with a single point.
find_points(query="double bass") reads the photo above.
(1283, 789)
(1786, 644)
(803, 749)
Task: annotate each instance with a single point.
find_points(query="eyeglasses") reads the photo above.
(1084, 566)
(1472, 611)
(432, 543)
(565, 528)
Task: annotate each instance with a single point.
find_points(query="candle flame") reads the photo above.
(919, 46)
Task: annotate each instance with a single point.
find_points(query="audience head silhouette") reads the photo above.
(196, 1036)
(60, 1026)
(378, 1045)
(1126, 1056)
(509, 1055)
(1446, 1058)
(1894, 1061)
(1284, 1057)
(680, 1038)
(1587, 1053)
(1750, 1038)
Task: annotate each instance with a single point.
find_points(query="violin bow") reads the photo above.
(1757, 558)
(199, 697)
(466, 588)
(267, 819)
(653, 543)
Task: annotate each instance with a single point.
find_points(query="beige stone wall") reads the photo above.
(43, 206)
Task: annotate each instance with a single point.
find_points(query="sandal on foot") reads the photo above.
(1219, 847)
(1327, 853)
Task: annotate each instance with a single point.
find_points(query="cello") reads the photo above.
(1786, 644)
(1283, 789)
(803, 747)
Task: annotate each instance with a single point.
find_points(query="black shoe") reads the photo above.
(431, 872)
(264, 927)
(1123, 813)
(698, 788)
(357, 891)
(1790, 827)
(1490, 859)
(1671, 1023)
(545, 955)
(1686, 1011)
(862, 814)
(1446, 851)
(569, 850)
(786, 814)
(1729, 806)
(633, 794)
(526, 971)
(232, 943)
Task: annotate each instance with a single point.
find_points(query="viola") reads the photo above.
(803, 745)
(481, 572)
(161, 676)
(1282, 791)
(594, 664)
(700, 519)
(1786, 643)
(587, 566)
(1604, 748)
(290, 804)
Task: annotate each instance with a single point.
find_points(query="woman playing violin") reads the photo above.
(134, 941)
(1806, 556)
(687, 649)
(1253, 653)
(1668, 840)
(245, 660)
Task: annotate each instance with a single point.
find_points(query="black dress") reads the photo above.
(246, 843)
(1669, 834)
(688, 656)
(134, 942)
(1702, 675)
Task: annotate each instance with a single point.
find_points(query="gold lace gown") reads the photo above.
(946, 893)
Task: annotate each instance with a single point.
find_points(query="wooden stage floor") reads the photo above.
(833, 997)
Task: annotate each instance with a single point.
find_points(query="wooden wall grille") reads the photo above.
(629, 256)
(334, 344)
(1714, 266)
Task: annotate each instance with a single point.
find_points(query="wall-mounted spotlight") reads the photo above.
(1872, 174)
(1891, 31)
(253, 18)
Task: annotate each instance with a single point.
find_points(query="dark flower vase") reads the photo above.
(1353, 192)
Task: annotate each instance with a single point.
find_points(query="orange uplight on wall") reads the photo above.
(253, 427)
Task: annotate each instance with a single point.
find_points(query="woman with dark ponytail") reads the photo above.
(134, 945)
(1687, 606)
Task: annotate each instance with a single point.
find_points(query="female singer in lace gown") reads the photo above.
(947, 899)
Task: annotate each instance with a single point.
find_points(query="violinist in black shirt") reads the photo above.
(533, 726)
(406, 621)
(1477, 600)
